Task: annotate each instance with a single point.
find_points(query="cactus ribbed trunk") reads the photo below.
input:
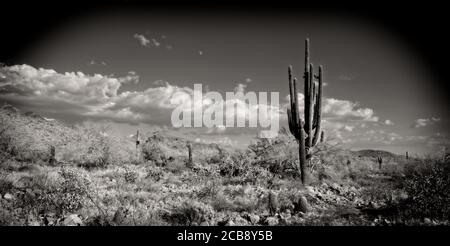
(52, 159)
(318, 108)
(138, 142)
(189, 163)
(312, 111)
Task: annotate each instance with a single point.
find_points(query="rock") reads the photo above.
(230, 223)
(8, 196)
(254, 218)
(204, 223)
(72, 220)
(302, 205)
(310, 189)
(33, 223)
(120, 215)
(239, 221)
(271, 221)
(427, 221)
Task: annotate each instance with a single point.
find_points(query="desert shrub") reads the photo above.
(239, 168)
(189, 213)
(152, 152)
(97, 146)
(428, 188)
(209, 190)
(279, 154)
(5, 184)
(130, 176)
(238, 198)
(44, 193)
(15, 144)
(154, 173)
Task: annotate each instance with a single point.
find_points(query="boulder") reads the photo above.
(254, 218)
(302, 205)
(239, 221)
(72, 220)
(230, 223)
(8, 196)
(272, 221)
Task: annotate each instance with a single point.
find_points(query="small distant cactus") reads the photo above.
(407, 156)
(221, 154)
(52, 158)
(138, 142)
(380, 161)
(273, 203)
(190, 162)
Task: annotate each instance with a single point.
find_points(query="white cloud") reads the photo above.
(200, 52)
(388, 122)
(248, 80)
(155, 42)
(99, 96)
(142, 39)
(92, 63)
(425, 122)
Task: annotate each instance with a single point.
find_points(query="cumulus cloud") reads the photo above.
(142, 39)
(339, 110)
(93, 63)
(99, 96)
(157, 42)
(388, 122)
(344, 109)
(425, 122)
(248, 80)
(82, 93)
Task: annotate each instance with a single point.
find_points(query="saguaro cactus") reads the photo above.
(190, 162)
(306, 132)
(52, 158)
(138, 142)
(407, 156)
(380, 161)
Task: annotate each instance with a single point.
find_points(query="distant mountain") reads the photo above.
(33, 130)
(37, 133)
(374, 153)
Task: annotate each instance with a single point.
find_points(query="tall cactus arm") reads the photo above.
(296, 109)
(309, 99)
(291, 123)
(318, 108)
(292, 91)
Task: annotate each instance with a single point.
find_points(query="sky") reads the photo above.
(134, 68)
